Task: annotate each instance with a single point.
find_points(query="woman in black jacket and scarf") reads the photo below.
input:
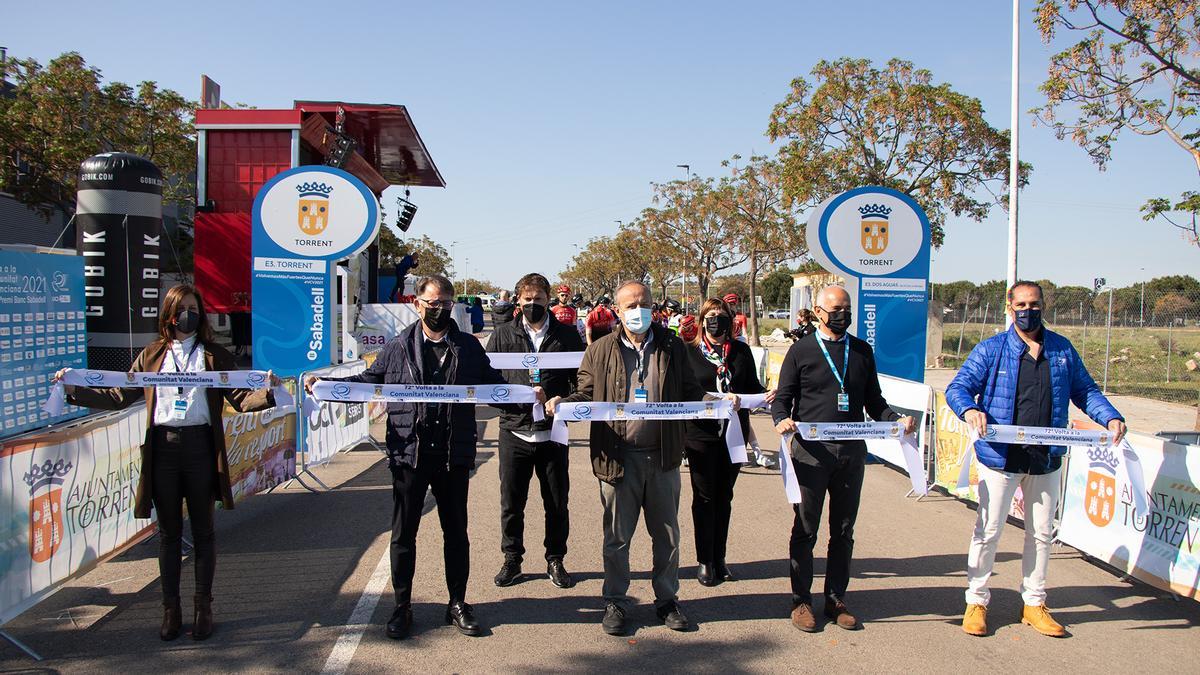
(721, 364)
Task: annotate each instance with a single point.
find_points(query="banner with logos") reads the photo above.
(336, 426)
(879, 240)
(66, 502)
(42, 329)
(304, 221)
(261, 447)
(1100, 519)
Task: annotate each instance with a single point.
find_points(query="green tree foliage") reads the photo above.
(689, 216)
(854, 125)
(776, 288)
(432, 257)
(58, 115)
(1133, 70)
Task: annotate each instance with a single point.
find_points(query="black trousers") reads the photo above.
(519, 461)
(184, 470)
(449, 486)
(713, 476)
(842, 478)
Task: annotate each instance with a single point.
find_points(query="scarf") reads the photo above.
(718, 359)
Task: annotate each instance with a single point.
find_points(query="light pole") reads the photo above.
(687, 175)
(466, 276)
(453, 260)
(1014, 164)
(1142, 313)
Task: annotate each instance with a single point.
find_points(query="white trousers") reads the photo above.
(996, 491)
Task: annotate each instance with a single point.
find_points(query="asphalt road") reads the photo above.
(297, 570)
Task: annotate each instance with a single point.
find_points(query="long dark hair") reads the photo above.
(170, 307)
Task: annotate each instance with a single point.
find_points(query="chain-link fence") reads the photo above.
(1147, 344)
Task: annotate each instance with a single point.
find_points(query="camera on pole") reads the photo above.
(1098, 283)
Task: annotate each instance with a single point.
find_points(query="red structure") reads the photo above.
(240, 150)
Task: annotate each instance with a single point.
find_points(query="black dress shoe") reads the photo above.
(706, 575)
(559, 576)
(401, 622)
(672, 616)
(509, 574)
(614, 619)
(722, 572)
(462, 616)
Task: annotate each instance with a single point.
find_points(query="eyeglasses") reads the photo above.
(437, 304)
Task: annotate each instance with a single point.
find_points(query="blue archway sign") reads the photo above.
(304, 220)
(878, 239)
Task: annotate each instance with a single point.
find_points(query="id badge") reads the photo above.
(843, 402)
(179, 410)
(535, 376)
(641, 396)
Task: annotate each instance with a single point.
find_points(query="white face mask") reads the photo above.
(637, 320)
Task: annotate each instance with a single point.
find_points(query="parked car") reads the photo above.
(778, 314)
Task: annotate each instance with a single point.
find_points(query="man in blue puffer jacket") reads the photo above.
(1026, 376)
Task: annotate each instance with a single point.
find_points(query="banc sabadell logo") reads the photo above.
(872, 232)
(318, 212)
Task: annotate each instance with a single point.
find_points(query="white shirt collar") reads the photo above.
(541, 332)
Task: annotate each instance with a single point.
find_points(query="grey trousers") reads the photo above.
(644, 487)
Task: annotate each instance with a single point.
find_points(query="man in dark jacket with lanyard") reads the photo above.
(525, 445)
(829, 377)
(1026, 376)
(431, 446)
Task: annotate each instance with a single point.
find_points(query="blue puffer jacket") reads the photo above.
(987, 381)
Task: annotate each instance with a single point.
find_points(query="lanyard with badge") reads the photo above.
(843, 399)
(641, 394)
(179, 408)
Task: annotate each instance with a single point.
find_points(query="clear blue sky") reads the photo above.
(549, 120)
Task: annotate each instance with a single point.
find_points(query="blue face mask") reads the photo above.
(638, 319)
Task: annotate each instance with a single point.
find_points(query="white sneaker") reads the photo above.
(685, 462)
(765, 461)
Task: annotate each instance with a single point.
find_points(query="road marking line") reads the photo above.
(360, 619)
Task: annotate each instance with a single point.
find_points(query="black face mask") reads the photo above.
(1028, 320)
(438, 319)
(533, 312)
(717, 326)
(187, 321)
(838, 321)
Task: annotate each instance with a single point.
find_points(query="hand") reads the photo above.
(68, 388)
(978, 420)
(540, 394)
(770, 396)
(909, 424)
(308, 384)
(787, 426)
(552, 404)
(734, 399)
(273, 378)
(1117, 427)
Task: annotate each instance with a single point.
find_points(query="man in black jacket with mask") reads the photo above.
(829, 376)
(525, 445)
(431, 445)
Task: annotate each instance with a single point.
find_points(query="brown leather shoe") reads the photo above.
(835, 611)
(1039, 617)
(202, 625)
(803, 618)
(975, 621)
(172, 620)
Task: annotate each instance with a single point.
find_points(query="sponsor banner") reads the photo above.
(330, 428)
(66, 502)
(261, 447)
(303, 219)
(952, 440)
(377, 324)
(879, 240)
(774, 365)
(42, 329)
(1100, 510)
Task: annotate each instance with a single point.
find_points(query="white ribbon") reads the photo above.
(747, 401)
(791, 484)
(206, 379)
(604, 411)
(737, 448)
(892, 431)
(479, 394)
(1011, 433)
(531, 360)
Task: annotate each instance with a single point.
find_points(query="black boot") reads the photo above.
(202, 625)
(462, 616)
(722, 572)
(172, 620)
(706, 575)
(401, 622)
